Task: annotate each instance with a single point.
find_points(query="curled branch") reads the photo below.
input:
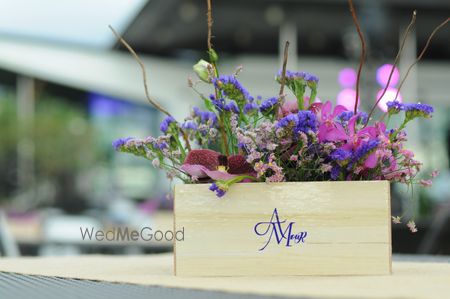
(144, 72)
(363, 51)
(283, 71)
(144, 77)
(421, 54)
(396, 60)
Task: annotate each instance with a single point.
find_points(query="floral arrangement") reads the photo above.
(285, 138)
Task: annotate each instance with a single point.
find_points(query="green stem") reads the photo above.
(300, 102)
(180, 146)
(299, 90)
(387, 122)
(239, 179)
(312, 96)
(402, 126)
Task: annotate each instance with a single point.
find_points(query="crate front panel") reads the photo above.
(347, 227)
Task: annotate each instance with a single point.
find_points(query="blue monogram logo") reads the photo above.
(281, 230)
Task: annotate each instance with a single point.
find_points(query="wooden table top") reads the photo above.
(415, 277)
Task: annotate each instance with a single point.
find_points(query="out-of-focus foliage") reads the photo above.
(8, 145)
(64, 142)
(63, 138)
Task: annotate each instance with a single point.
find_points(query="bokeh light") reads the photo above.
(347, 98)
(383, 73)
(388, 96)
(347, 77)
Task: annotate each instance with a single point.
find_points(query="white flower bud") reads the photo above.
(202, 69)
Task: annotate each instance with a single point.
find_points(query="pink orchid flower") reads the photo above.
(208, 164)
(329, 129)
(355, 138)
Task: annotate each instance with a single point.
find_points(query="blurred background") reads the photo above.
(68, 89)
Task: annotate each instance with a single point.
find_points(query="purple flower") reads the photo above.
(345, 116)
(205, 116)
(119, 143)
(218, 103)
(418, 110)
(242, 146)
(363, 152)
(291, 120)
(267, 105)
(219, 192)
(341, 155)
(161, 145)
(164, 126)
(307, 121)
(232, 88)
(190, 125)
(311, 78)
(394, 107)
(250, 107)
(363, 117)
(196, 111)
(290, 75)
(335, 172)
(231, 107)
(365, 148)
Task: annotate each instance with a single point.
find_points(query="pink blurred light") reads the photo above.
(347, 77)
(347, 98)
(388, 96)
(383, 73)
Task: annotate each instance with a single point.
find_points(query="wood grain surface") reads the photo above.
(347, 227)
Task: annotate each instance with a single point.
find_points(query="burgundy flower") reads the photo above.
(238, 165)
(208, 164)
(205, 157)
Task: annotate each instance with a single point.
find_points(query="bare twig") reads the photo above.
(283, 71)
(421, 53)
(397, 58)
(144, 77)
(144, 72)
(210, 23)
(213, 62)
(363, 51)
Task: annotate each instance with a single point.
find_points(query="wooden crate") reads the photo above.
(296, 228)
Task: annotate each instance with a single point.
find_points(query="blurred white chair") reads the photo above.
(62, 234)
(8, 245)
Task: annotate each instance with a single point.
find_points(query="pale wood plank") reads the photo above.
(348, 225)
